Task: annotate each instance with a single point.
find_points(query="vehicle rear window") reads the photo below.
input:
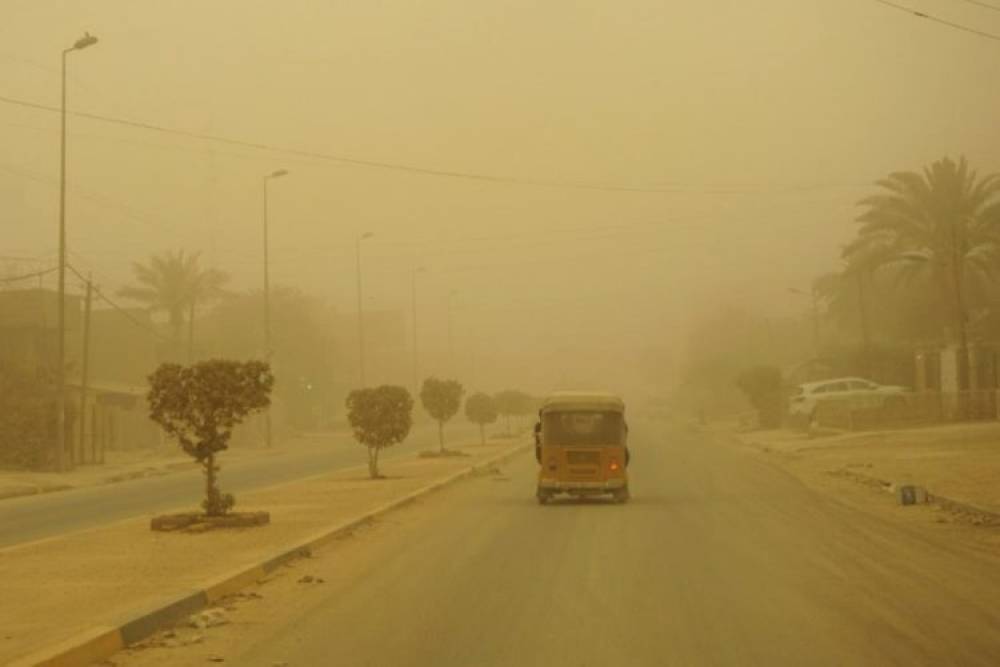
(580, 427)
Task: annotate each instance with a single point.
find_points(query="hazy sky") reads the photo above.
(764, 122)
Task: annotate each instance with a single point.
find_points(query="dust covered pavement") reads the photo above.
(720, 559)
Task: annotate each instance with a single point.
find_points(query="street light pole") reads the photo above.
(361, 319)
(451, 340)
(413, 302)
(79, 45)
(267, 293)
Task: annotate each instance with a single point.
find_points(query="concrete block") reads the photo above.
(910, 494)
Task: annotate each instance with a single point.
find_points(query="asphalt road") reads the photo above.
(720, 559)
(31, 518)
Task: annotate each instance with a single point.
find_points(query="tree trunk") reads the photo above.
(211, 492)
(441, 436)
(482, 433)
(373, 462)
(190, 350)
(957, 270)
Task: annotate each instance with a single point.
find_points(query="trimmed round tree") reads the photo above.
(380, 417)
(441, 399)
(512, 403)
(482, 410)
(200, 404)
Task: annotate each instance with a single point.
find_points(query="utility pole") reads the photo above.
(267, 298)
(413, 302)
(361, 312)
(80, 44)
(451, 339)
(85, 372)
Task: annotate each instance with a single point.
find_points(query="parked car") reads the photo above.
(860, 392)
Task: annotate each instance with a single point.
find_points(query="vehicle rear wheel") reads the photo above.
(621, 495)
(543, 497)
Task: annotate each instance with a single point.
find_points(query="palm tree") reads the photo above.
(174, 283)
(942, 226)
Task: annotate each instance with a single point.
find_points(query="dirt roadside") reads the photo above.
(958, 464)
(60, 587)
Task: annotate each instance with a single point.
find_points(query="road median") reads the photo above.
(77, 599)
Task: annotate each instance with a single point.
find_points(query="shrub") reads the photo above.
(200, 404)
(380, 417)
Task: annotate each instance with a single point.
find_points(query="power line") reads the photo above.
(26, 276)
(985, 5)
(426, 171)
(118, 308)
(394, 166)
(935, 19)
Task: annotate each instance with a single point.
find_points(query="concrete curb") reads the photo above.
(102, 642)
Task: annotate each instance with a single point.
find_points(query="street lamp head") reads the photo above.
(367, 235)
(279, 173)
(85, 41)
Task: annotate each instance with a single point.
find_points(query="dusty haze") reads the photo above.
(741, 136)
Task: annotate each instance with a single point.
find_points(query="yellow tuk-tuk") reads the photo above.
(581, 443)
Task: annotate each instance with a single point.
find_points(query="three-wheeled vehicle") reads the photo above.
(581, 443)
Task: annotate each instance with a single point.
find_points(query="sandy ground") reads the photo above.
(959, 461)
(57, 587)
(722, 558)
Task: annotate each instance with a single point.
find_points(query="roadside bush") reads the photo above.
(380, 417)
(763, 388)
(200, 404)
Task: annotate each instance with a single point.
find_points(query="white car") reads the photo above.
(860, 392)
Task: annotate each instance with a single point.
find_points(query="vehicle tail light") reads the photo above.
(613, 466)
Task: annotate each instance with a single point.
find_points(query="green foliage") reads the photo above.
(481, 409)
(27, 420)
(380, 417)
(174, 282)
(763, 387)
(935, 231)
(200, 404)
(441, 398)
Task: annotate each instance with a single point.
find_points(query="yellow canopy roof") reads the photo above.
(583, 400)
